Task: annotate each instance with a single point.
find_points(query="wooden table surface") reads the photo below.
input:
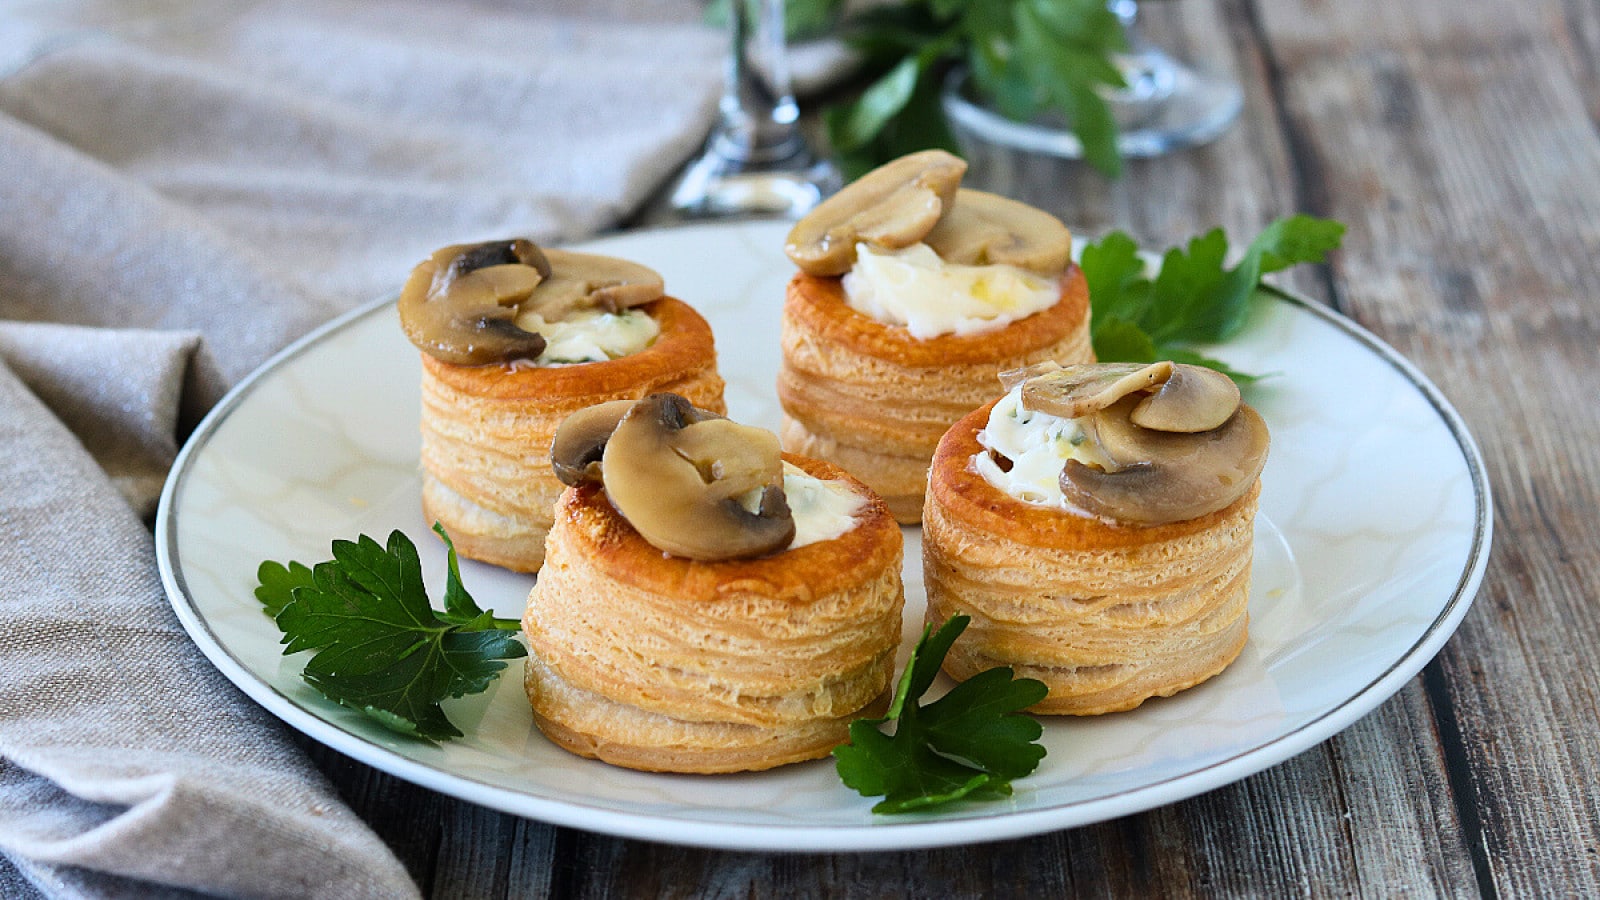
(1460, 141)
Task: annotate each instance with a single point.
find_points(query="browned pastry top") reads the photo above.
(968, 497)
(800, 574)
(685, 344)
(819, 304)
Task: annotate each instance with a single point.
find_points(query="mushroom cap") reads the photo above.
(1166, 476)
(580, 441)
(678, 475)
(1010, 378)
(1193, 398)
(467, 303)
(891, 207)
(984, 229)
(591, 281)
(459, 305)
(1075, 391)
(1174, 441)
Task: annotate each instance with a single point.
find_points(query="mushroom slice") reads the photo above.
(517, 251)
(591, 281)
(891, 207)
(581, 439)
(678, 474)
(1177, 476)
(1010, 378)
(463, 312)
(1075, 391)
(983, 229)
(1193, 398)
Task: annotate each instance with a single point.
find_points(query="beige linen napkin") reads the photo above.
(185, 186)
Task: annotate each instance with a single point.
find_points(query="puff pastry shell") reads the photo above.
(661, 663)
(486, 431)
(868, 396)
(1107, 615)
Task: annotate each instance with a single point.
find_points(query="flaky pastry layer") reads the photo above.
(1107, 615)
(486, 431)
(868, 396)
(657, 662)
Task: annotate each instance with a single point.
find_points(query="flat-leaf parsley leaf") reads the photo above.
(381, 647)
(1194, 297)
(969, 744)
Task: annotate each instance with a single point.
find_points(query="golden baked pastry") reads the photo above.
(486, 431)
(872, 398)
(946, 287)
(653, 661)
(1106, 613)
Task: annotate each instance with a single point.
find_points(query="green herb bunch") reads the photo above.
(1024, 58)
(967, 745)
(381, 647)
(1194, 297)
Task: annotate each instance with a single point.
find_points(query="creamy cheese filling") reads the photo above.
(1037, 445)
(591, 335)
(913, 287)
(822, 510)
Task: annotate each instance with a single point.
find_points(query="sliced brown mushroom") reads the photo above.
(1162, 476)
(581, 440)
(1193, 398)
(590, 281)
(678, 474)
(1074, 391)
(983, 229)
(459, 305)
(1010, 378)
(517, 251)
(891, 207)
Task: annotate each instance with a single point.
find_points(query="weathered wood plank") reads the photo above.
(1459, 142)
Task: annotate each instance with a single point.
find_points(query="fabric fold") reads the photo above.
(103, 696)
(188, 186)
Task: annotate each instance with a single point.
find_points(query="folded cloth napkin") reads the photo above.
(185, 186)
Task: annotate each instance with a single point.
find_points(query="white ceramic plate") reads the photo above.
(1371, 543)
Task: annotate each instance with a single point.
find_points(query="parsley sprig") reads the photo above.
(1024, 58)
(969, 744)
(381, 647)
(1194, 298)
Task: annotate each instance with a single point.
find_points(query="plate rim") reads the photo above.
(922, 831)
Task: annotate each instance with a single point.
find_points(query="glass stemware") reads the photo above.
(1166, 106)
(756, 161)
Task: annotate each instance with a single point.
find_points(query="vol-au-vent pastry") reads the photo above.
(707, 603)
(514, 339)
(913, 292)
(1096, 522)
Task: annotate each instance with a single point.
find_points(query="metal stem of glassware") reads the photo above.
(756, 161)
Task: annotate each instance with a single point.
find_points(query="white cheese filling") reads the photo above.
(1038, 445)
(915, 288)
(591, 335)
(822, 510)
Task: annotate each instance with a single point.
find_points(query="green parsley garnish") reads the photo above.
(801, 18)
(970, 743)
(1023, 58)
(381, 646)
(1194, 298)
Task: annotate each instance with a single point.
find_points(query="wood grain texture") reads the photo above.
(1462, 151)
(1460, 141)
